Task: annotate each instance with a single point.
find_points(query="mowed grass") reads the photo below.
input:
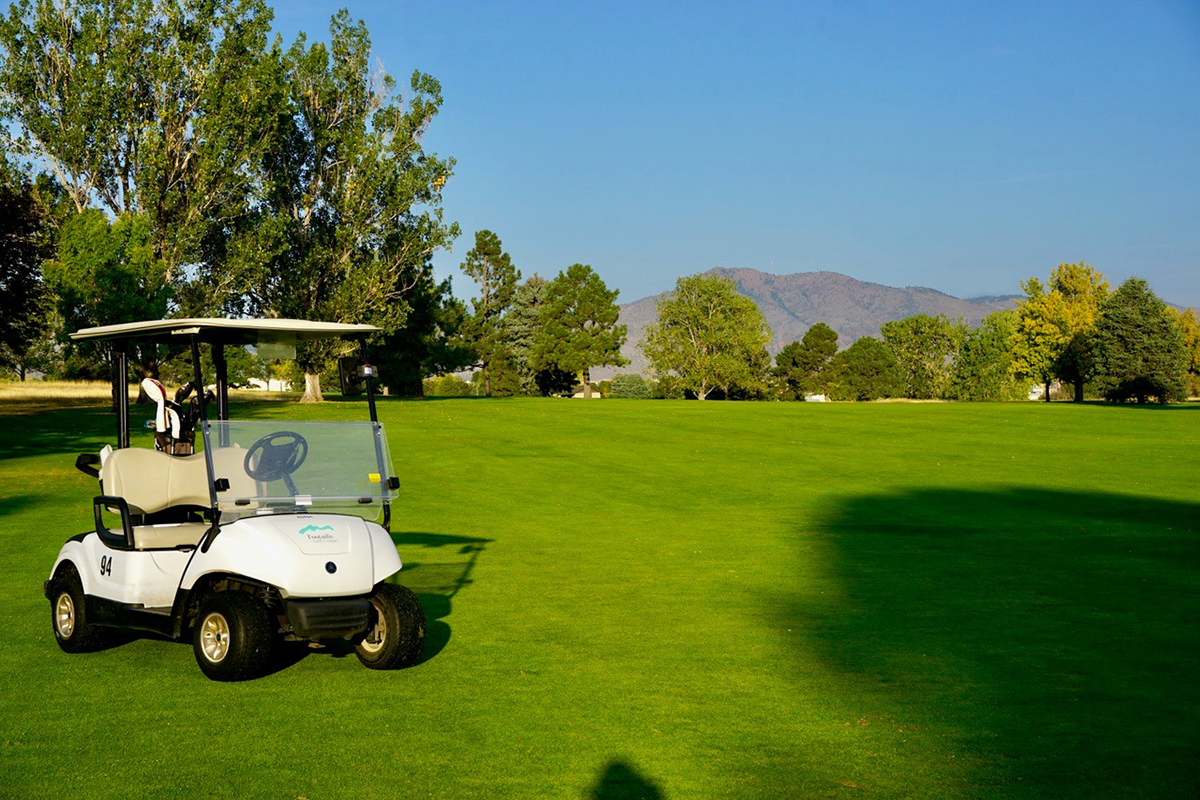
(694, 599)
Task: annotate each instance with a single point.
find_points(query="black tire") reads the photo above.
(397, 631)
(68, 616)
(233, 637)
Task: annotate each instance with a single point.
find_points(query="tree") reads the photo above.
(1053, 336)
(925, 348)
(1189, 326)
(708, 335)
(983, 369)
(579, 327)
(866, 370)
(492, 269)
(428, 342)
(24, 243)
(801, 366)
(350, 210)
(148, 107)
(630, 385)
(1140, 349)
(523, 326)
(106, 273)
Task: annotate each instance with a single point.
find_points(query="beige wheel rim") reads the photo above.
(214, 637)
(372, 643)
(64, 615)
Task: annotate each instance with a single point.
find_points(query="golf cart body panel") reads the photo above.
(271, 529)
(300, 555)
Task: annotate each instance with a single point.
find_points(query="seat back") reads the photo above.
(151, 481)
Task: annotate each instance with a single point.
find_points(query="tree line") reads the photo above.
(1069, 330)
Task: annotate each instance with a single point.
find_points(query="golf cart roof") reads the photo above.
(224, 331)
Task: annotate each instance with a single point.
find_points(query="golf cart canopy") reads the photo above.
(213, 330)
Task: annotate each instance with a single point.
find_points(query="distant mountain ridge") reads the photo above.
(793, 303)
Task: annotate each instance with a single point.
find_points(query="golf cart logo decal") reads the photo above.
(315, 533)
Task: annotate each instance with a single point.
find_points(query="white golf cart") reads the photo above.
(269, 533)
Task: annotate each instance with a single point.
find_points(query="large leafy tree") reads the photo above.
(707, 335)
(1140, 349)
(350, 210)
(579, 327)
(1189, 326)
(1054, 332)
(925, 348)
(801, 367)
(148, 107)
(492, 268)
(983, 369)
(866, 370)
(25, 242)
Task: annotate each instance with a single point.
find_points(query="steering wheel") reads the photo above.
(279, 455)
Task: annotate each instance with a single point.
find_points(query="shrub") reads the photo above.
(630, 386)
(447, 386)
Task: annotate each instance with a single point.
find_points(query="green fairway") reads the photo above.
(695, 599)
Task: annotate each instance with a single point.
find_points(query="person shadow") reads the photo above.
(621, 781)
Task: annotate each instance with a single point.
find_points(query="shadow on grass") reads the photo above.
(1049, 637)
(620, 781)
(437, 581)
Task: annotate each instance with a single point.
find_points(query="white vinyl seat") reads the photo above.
(150, 481)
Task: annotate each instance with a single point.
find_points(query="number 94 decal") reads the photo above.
(105, 565)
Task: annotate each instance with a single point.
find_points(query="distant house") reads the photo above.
(816, 398)
(578, 391)
(272, 385)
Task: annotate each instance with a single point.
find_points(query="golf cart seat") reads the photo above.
(151, 481)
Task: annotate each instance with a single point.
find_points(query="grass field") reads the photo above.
(681, 599)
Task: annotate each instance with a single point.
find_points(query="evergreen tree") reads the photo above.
(1140, 349)
(866, 370)
(579, 327)
(801, 367)
(489, 266)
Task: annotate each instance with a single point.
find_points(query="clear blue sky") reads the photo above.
(957, 145)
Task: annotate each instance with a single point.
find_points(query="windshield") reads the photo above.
(279, 465)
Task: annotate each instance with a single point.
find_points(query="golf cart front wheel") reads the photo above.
(68, 615)
(233, 637)
(397, 631)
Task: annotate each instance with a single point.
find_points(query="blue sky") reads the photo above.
(962, 146)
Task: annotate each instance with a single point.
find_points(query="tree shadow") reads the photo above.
(16, 503)
(621, 781)
(1049, 637)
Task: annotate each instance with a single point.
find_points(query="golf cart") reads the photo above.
(273, 530)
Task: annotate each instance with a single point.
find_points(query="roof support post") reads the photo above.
(222, 368)
(120, 379)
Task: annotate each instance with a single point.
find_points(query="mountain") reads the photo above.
(793, 303)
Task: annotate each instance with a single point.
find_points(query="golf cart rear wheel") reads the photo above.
(233, 637)
(397, 631)
(68, 616)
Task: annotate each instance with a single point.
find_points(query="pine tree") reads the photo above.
(1140, 350)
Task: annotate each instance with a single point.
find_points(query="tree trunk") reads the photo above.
(487, 381)
(312, 388)
(21, 371)
(587, 384)
(1047, 391)
(1079, 392)
(701, 394)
